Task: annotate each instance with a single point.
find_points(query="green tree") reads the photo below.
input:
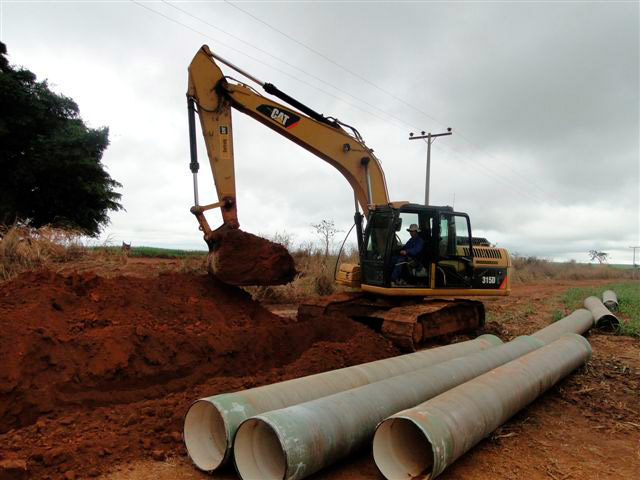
(50, 161)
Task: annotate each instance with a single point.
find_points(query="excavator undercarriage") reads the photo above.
(406, 321)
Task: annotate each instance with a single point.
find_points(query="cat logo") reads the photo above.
(225, 151)
(280, 116)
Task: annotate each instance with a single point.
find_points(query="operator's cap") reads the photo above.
(413, 228)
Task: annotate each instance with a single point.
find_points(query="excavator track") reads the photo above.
(406, 321)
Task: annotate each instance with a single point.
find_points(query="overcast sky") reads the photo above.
(543, 99)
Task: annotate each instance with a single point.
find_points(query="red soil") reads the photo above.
(97, 371)
(241, 258)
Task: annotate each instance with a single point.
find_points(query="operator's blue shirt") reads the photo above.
(414, 246)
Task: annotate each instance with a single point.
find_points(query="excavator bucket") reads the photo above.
(240, 258)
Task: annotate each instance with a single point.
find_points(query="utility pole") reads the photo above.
(634, 261)
(430, 137)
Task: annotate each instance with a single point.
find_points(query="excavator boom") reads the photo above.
(213, 95)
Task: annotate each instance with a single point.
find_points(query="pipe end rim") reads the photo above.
(401, 450)
(258, 452)
(206, 436)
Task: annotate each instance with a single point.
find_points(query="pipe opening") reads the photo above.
(401, 450)
(608, 323)
(257, 451)
(205, 436)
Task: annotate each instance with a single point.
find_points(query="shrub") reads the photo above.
(25, 248)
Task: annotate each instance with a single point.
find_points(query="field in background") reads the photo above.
(24, 248)
(148, 252)
(624, 266)
(533, 269)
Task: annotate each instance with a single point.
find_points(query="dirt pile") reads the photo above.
(97, 370)
(92, 340)
(241, 258)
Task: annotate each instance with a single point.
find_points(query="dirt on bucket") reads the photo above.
(244, 259)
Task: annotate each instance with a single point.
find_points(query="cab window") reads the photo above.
(454, 231)
(443, 243)
(377, 241)
(406, 219)
(462, 230)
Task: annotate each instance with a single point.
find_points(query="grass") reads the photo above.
(25, 248)
(315, 277)
(623, 266)
(533, 269)
(502, 317)
(628, 300)
(150, 252)
(511, 315)
(165, 252)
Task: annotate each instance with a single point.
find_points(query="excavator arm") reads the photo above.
(397, 307)
(212, 95)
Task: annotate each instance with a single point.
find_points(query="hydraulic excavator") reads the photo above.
(452, 263)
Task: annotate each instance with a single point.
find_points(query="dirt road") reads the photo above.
(119, 416)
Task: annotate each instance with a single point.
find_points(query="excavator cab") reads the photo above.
(451, 260)
(452, 264)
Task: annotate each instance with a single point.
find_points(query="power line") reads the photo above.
(313, 50)
(264, 63)
(301, 70)
(304, 71)
(486, 171)
(529, 181)
(399, 99)
(429, 139)
(483, 169)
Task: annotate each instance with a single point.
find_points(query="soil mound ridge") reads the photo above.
(86, 340)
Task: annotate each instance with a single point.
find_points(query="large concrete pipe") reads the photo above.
(211, 423)
(577, 322)
(294, 442)
(422, 441)
(604, 319)
(610, 300)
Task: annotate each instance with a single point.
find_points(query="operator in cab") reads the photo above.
(409, 252)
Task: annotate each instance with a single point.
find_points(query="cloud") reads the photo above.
(543, 99)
